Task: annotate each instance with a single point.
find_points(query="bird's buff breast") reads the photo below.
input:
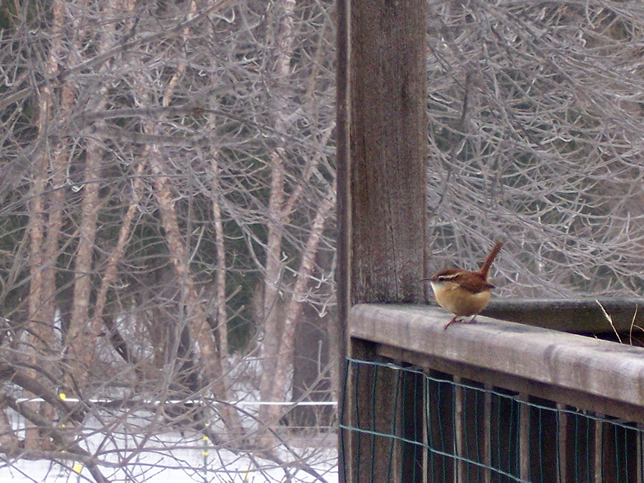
(459, 301)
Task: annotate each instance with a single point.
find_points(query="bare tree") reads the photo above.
(164, 164)
(535, 114)
(279, 329)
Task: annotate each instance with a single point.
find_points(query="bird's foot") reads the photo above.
(456, 318)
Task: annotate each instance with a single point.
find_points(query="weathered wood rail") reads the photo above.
(581, 378)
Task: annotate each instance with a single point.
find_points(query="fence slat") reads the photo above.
(599, 372)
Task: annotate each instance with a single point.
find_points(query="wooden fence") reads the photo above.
(491, 401)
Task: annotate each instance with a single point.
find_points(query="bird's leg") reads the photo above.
(454, 319)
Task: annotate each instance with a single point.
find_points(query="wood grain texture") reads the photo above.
(381, 206)
(595, 367)
(388, 140)
(572, 315)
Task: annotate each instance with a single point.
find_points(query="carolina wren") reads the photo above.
(464, 293)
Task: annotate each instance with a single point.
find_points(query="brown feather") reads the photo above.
(485, 269)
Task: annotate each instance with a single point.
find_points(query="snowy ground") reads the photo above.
(137, 456)
(177, 466)
(163, 469)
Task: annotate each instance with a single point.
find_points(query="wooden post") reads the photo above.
(524, 437)
(598, 453)
(459, 432)
(563, 443)
(381, 191)
(343, 183)
(487, 433)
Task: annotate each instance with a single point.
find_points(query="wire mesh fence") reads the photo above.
(451, 429)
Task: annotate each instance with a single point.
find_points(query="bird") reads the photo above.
(464, 293)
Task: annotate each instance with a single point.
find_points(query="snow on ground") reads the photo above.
(177, 465)
(132, 454)
(163, 469)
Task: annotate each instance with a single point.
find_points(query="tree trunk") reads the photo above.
(46, 224)
(82, 335)
(294, 310)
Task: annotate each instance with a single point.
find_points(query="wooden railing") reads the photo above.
(573, 404)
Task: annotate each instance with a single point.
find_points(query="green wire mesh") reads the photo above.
(445, 429)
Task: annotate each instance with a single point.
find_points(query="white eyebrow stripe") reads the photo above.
(448, 277)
